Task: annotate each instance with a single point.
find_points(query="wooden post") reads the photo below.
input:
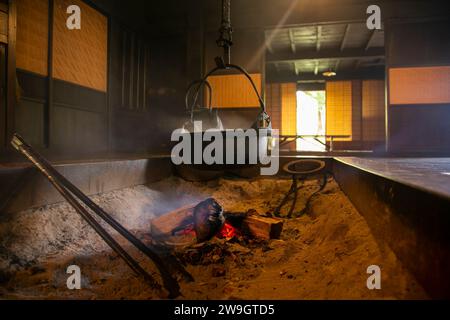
(11, 69)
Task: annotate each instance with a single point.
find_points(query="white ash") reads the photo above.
(57, 230)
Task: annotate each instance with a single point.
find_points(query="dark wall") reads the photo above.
(78, 120)
(2, 93)
(74, 124)
(418, 43)
(144, 102)
(422, 128)
(31, 107)
(147, 83)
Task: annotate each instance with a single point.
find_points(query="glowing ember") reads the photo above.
(228, 232)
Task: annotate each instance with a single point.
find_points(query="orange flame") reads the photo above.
(228, 232)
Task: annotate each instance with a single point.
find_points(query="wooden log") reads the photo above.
(251, 223)
(162, 226)
(263, 227)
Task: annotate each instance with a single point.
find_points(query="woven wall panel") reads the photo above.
(234, 91)
(356, 110)
(373, 111)
(288, 108)
(3, 26)
(80, 56)
(32, 36)
(421, 85)
(339, 108)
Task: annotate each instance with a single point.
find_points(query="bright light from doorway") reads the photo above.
(311, 120)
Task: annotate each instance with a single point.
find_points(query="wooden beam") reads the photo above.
(369, 42)
(268, 38)
(377, 63)
(344, 38)
(363, 73)
(277, 67)
(292, 41)
(269, 47)
(316, 68)
(327, 54)
(366, 73)
(319, 35)
(297, 72)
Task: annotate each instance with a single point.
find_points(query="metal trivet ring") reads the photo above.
(300, 170)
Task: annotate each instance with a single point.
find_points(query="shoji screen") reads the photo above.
(357, 110)
(80, 56)
(373, 110)
(32, 36)
(3, 23)
(234, 91)
(288, 108)
(339, 109)
(420, 85)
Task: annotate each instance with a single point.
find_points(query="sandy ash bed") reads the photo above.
(323, 254)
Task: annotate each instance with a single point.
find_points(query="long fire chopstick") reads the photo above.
(64, 186)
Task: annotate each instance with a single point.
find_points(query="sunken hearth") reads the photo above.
(247, 253)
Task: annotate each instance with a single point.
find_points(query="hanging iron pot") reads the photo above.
(236, 150)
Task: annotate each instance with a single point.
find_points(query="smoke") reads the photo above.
(278, 28)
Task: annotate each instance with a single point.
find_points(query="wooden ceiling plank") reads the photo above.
(292, 41)
(371, 37)
(319, 36)
(331, 54)
(344, 38)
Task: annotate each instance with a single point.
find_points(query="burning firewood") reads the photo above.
(169, 223)
(263, 227)
(207, 220)
(204, 219)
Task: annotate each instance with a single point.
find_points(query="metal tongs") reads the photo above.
(70, 192)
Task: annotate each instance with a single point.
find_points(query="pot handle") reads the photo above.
(204, 81)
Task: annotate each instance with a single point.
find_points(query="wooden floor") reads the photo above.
(427, 174)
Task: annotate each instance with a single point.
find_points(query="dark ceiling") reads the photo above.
(303, 37)
(164, 17)
(305, 52)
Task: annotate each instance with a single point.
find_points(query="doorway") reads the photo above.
(311, 120)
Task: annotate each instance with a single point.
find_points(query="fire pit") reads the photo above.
(323, 254)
